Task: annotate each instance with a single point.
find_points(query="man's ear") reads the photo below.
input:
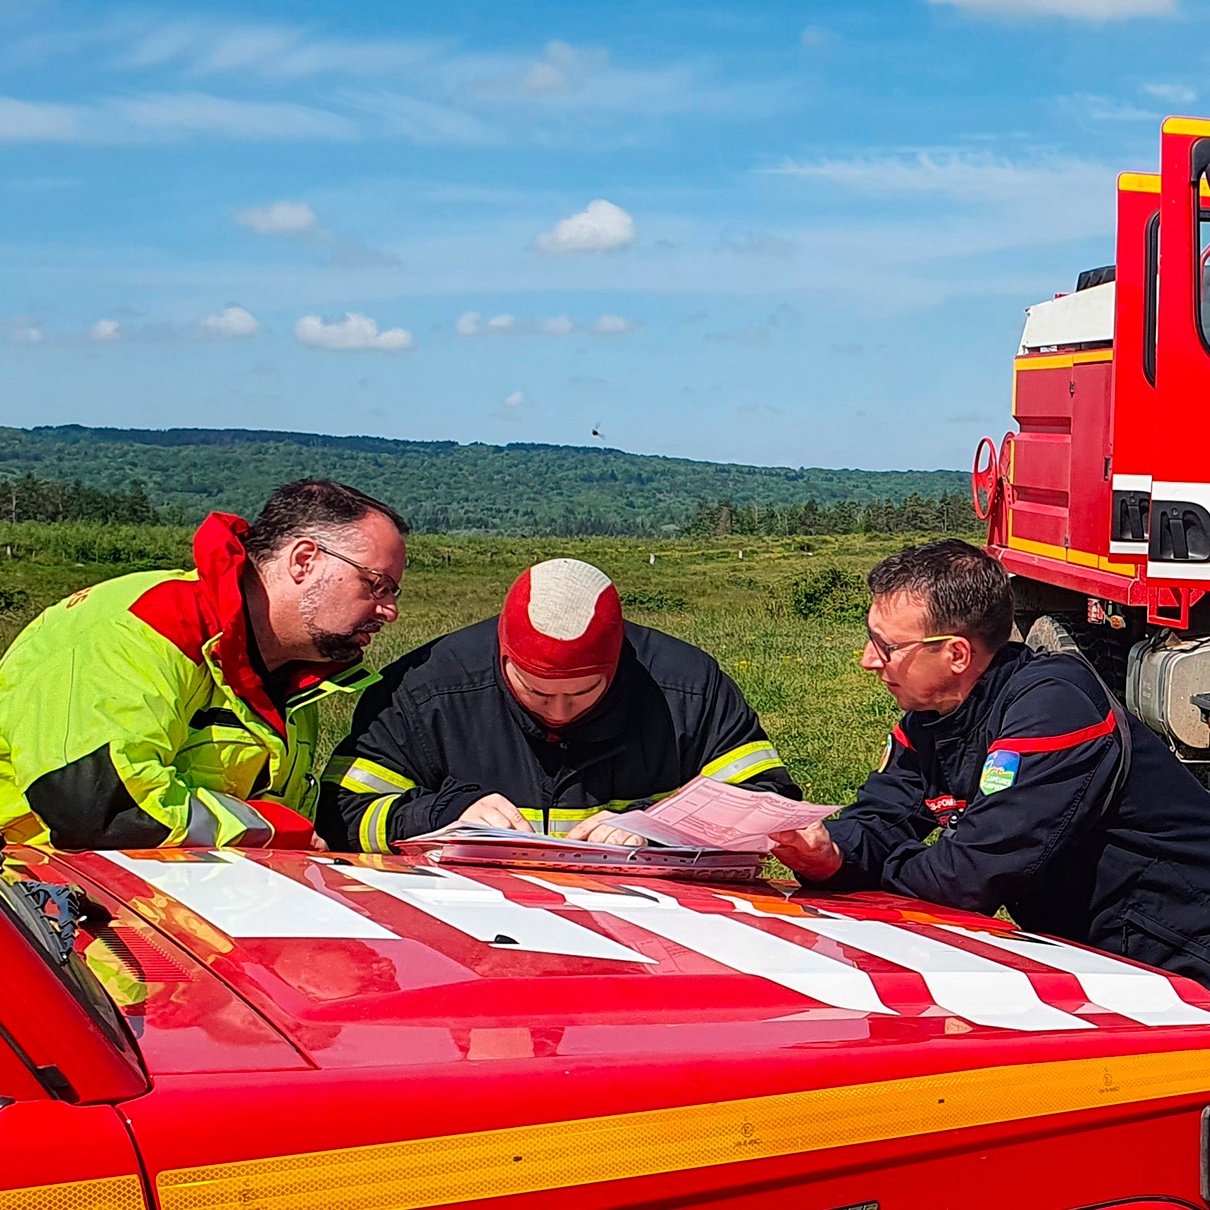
(962, 654)
(299, 558)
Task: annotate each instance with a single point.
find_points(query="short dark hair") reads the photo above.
(965, 591)
(295, 509)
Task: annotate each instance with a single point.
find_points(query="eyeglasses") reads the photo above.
(381, 585)
(884, 650)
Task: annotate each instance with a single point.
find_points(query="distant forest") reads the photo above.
(178, 475)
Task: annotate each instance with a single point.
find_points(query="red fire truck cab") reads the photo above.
(193, 1030)
(1099, 505)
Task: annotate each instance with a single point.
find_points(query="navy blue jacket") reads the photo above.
(1020, 779)
(441, 729)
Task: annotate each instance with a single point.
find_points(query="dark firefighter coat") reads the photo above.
(441, 730)
(1021, 780)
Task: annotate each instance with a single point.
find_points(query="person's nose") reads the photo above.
(387, 609)
(871, 661)
(561, 709)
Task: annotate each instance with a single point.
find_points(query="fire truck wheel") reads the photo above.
(1104, 649)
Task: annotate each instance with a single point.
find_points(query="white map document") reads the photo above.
(721, 816)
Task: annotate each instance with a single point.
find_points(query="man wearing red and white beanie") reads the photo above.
(541, 719)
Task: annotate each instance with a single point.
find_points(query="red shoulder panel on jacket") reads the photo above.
(174, 609)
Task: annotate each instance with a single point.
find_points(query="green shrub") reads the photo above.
(12, 599)
(652, 599)
(829, 592)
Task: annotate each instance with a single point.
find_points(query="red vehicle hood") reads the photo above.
(269, 961)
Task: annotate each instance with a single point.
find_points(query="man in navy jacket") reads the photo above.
(1051, 800)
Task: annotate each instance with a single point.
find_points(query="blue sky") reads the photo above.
(795, 234)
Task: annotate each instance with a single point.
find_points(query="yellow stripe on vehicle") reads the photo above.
(525, 1159)
(105, 1193)
(1139, 182)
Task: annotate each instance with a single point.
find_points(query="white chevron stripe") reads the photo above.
(246, 899)
(484, 913)
(734, 944)
(962, 983)
(1118, 987)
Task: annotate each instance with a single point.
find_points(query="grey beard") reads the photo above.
(335, 648)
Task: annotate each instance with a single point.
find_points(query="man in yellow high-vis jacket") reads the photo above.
(179, 708)
(556, 717)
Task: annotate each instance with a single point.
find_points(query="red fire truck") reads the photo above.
(197, 1030)
(1099, 505)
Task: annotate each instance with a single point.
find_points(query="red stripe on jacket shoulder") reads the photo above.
(1055, 743)
(898, 735)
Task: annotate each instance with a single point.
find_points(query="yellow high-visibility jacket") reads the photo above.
(131, 715)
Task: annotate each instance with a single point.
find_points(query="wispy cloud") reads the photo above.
(1171, 94)
(105, 330)
(1079, 10)
(297, 221)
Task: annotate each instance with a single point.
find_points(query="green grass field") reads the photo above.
(828, 718)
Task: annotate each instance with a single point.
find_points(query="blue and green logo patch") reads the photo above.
(999, 771)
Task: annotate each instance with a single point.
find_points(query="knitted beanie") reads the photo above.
(562, 619)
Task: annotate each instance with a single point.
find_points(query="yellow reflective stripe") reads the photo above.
(741, 763)
(372, 831)
(459, 1168)
(107, 1193)
(363, 776)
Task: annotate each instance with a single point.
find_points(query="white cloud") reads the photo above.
(354, 332)
(279, 218)
(1172, 94)
(231, 321)
(612, 325)
(25, 333)
(558, 325)
(297, 221)
(1080, 10)
(515, 400)
(503, 323)
(597, 228)
(468, 323)
(105, 330)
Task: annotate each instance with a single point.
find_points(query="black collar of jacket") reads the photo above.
(605, 721)
(981, 698)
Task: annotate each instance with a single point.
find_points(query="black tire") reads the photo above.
(1105, 649)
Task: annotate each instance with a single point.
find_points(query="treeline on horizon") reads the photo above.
(949, 513)
(29, 498)
(72, 472)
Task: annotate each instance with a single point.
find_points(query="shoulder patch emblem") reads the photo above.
(886, 753)
(999, 771)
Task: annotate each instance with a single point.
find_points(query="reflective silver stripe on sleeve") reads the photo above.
(258, 831)
(206, 826)
(202, 830)
(742, 763)
(366, 776)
